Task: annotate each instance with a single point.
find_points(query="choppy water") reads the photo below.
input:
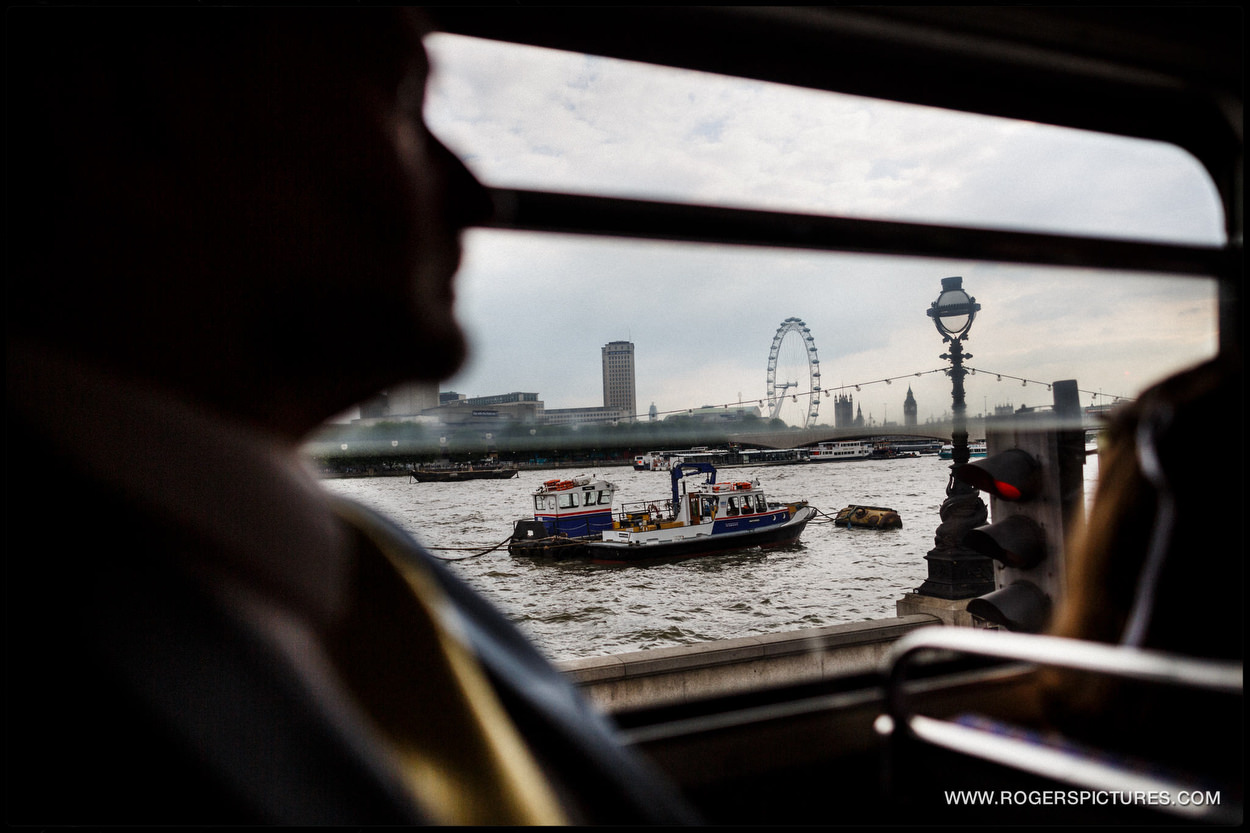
(574, 609)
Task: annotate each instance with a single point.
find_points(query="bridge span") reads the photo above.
(803, 437)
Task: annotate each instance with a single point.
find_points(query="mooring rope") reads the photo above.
(823, 514)
(463, 549)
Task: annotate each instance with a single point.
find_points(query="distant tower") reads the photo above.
(618, 377)
(843, 410)
(654, 413)
(909, 408)
(859, 417)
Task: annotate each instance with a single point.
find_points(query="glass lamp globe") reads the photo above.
(954, 309)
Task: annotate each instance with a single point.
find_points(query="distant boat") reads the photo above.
(451, 474)
(976, 449)
(921, 447)
(842, 451)
(888, 451)
(722, 458)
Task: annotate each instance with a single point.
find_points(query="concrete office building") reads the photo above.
(618, 378)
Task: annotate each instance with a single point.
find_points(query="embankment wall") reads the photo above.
(664, 676)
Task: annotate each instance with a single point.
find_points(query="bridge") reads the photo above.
(802, 437)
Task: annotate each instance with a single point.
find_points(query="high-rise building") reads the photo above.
(411, 398)
(618, 377)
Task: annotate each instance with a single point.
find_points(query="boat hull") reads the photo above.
(534, 539)
(456, 475)
(555, 548)
(619, 552)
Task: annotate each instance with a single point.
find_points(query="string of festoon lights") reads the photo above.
(1095, 396)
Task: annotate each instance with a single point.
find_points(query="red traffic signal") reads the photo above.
(1009, 475)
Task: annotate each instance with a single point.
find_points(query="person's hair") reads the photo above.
(1192, 422)
(1158, 564)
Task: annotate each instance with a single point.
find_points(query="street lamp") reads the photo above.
(954, 310)
(955, 571)
(953, 313)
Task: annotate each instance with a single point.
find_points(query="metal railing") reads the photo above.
(1071, 764)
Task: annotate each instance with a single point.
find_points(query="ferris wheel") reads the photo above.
(793, 375)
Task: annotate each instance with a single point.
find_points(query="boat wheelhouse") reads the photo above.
(567, 513)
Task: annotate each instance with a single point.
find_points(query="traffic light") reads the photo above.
(1034, 483)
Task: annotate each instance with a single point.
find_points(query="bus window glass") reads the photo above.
(701, 318)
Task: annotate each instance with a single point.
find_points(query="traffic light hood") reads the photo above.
(1009, 475)
(1020, 606)
(1017, 541)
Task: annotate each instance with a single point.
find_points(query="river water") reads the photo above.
(575, 609)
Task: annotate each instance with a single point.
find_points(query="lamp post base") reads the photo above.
(957, 575)
(956, 572)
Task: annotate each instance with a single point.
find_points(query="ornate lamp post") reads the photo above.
(956, 572)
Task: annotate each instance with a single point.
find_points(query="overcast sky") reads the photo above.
(538, 308)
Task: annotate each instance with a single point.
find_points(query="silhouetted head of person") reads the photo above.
(243, 206)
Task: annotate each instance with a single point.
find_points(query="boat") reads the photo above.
(841, 451)
(975, 449)
(888, 451)
(723, 458)
(651, 461)
(454, 473)
(568, 514)
(704, 518)
(921, 447)
(868, 517)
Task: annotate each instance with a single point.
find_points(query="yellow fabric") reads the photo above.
(463, 758)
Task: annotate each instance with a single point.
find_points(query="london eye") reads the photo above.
(793, 375)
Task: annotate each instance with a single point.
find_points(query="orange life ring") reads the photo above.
(743, 485)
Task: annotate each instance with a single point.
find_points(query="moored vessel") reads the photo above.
(841, 451)
(454, 473)
(975, 449)
(722, 458)
(699, 519)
